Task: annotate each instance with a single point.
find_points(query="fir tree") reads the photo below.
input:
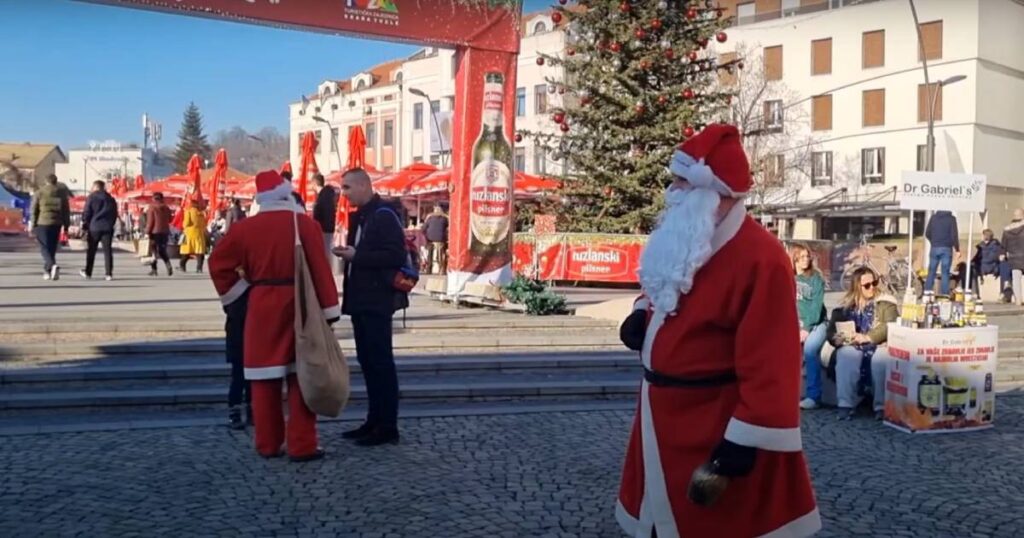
(637, 79)
(191, 139)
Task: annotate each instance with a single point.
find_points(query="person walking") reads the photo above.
(376, 251)
(435, 229)
(810, 307)
(1013, 244)
(193, 243)
(50, 213)
(258, 258)
(158, 229)
(944, 237)
(325, 211)
(98, 222)
(235, 214)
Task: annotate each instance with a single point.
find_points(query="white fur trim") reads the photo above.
(805, 525)
(284, 189)
(657, 320)
(269, 372)
(630, 525)
(332, 312)
(281, 205)
(729, 227)
(774, 439)
(699, 174)
(643, 303)
(658, 512)
(234, 293)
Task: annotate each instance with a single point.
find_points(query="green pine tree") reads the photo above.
(191, 139)
(639, 79)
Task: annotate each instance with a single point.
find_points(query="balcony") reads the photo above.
(826, 5)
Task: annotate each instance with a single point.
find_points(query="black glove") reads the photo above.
(633, 330)
(733, 460)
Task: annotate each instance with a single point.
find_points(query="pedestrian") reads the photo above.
(375, 252)
(193, 243)
(240, 390)
(1013, 244)
(990, 260)
(718, 334)
(810, 307)
(435, 229)
(51, 213)
(235, 214)
(325, 211)
(944, 237)
(158, 229)
(98, 222)
(258, 258)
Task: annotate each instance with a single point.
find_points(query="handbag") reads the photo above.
(407, 276)
(322, 370)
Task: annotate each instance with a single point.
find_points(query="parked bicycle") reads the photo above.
(894, 276)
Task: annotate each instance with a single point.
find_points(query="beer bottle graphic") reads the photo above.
(490, 196)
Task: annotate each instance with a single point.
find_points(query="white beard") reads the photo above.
(679, 246)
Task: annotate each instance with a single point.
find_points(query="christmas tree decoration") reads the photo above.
(663, 5)
(570, 51)
(656, 24)
(624, 7)
(645, 65)
(552, 89)
(640, 33)
(639, 108)
(722, 37)
(561, 90)
(519, 137)
(540, 60)
(564, 127)
(666, 44)
(703, 43)
(662, 99)
(669, 54)
(556, 17)
(688, 131)
(615, 46)
(687, 94)
(558, 117)
(693, 56)
(691, 14)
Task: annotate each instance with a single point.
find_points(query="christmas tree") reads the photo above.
(639, 79)
(191, 139)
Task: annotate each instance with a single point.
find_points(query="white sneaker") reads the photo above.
(55, 272)
(808, 403)
(46, 276)
(84, 274)
(108, 278)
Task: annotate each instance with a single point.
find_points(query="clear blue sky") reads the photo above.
(77, 72)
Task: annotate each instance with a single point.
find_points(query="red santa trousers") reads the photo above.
(268, 418)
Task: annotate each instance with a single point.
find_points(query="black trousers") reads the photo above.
(373, 335)
(234, 349)
(93, 241)
(183, 264)
(158, 247)
(48, 238)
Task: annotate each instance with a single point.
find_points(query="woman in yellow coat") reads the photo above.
(193, 242)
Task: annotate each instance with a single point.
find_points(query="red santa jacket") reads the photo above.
(739, 317)
(262, 248)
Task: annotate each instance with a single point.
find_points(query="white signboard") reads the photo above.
(937, 191)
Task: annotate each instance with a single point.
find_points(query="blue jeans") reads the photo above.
(944, 256)
(812, 361)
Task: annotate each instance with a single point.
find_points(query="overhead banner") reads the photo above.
(938, 191)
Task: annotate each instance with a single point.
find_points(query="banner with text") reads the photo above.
(941, 380)
(937, 191)
(578, 257)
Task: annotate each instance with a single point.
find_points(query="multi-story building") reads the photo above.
(405, 107)
(33, 162)
(106, 160)
(854, 69)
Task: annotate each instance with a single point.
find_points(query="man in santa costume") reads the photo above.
(715, 449)
(258, 257)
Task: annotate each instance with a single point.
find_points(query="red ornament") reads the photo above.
(540, 60)
(688, 131)
(640, 109)
(607, 191)
(662, 99)
(624, 7)
(704, 43)
(556, 17)
(645, 65)
(558, 117)
(571, 51)
(669, 53)
(585, 100)
(721, 37)
(693, 56)
(687, 94)
(565, 127)
(656, 24)
(615, 46)
(740, 65)
(519, 137)
(640, 33)
(691, 14)
(561, 91)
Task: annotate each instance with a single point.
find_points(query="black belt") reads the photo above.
(659, 379)
(273, 282)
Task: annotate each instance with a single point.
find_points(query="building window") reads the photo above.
(455, 65)
(389, 97)
(540, 99)
(873, 49)
(924, 101)
(872, 166)
(821, 56)
(791, 7)
(540, 160)
(922, 158)
(540, 28)
(746, 12)
(361, 85)
(520, 102)
(389, 133)
(417, 159)
(773, 63)
(435, 106)
(773, 116)
(435, 159)
(727, 76)
(520, 160)
(417, 116)
(874, 108)
(821, 113)
(371, 135)
(369, 101)
(821, 169)
(931, 35)
(334, 139)
(775, 173)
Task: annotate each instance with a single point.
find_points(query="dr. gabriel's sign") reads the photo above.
(934, 191)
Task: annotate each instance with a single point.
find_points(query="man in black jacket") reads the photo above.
(944, 237)
(98, 223)
(375, 253)
(325, 209)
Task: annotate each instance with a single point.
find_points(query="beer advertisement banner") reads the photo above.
(941, 380)
(579, 257)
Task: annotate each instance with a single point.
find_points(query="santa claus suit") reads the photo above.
(722, 365)
(261, 249)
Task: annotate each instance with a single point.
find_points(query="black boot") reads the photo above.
(235, 418)
(358, 433)
(381, 435)
(152, 271)
(248, 414)
(170, 270)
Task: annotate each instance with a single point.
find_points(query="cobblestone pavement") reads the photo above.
(545, 475)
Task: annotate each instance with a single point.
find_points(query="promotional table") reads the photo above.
(941, 380)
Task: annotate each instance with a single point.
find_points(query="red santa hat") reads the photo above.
(714, 159)
(270, 186)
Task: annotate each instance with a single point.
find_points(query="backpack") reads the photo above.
(408, 275)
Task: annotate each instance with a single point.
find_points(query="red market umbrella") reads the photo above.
(527, 184)
(308, 164)
(195, 170)
(286, 167)
(220, 172)
(140, 182)
(395, 184)
(356, 148)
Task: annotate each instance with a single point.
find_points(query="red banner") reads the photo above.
(579, 257)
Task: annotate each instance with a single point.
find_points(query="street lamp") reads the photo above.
(334, 138)
(440, 139)
(931, 117)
